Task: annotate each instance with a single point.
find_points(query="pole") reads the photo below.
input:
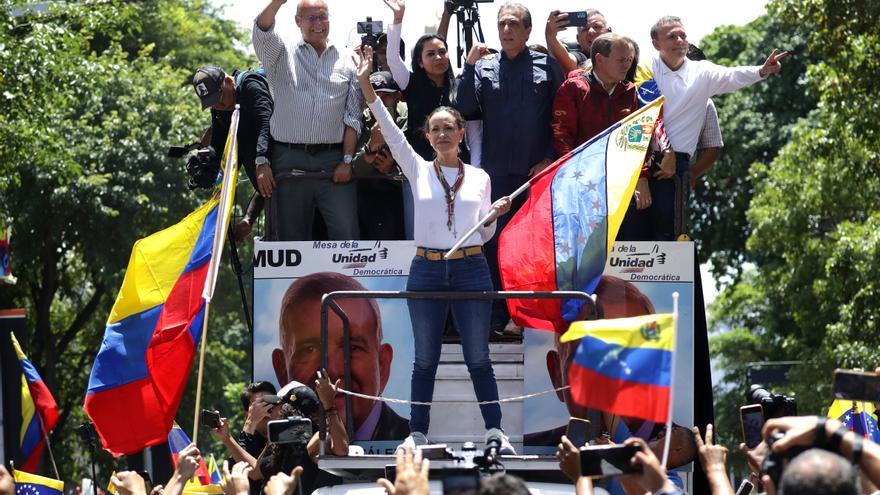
(486, 219)
(202, 346)
(49, 447)
(668, 437)
(236, 268)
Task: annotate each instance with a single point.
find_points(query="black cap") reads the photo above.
(208, 83)
(383, 82)
(301, 397)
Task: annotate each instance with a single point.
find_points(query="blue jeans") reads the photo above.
(472, 320)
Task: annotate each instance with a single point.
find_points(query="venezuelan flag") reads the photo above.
(561, 237)
(39, 411)
(140, 371)
(179, 440)
(31, 484)
(624, 366)
(858, 417)
(196, 489)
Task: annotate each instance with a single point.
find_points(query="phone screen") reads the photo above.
(459, 481)
(578, 431)
(856, 385)
(608, 460)
(577, 18)
(210, 419)
(391, 472)
(752, 419)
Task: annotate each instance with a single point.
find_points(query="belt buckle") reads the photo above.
(309, 149)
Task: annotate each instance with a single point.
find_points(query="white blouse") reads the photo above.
(473, 201)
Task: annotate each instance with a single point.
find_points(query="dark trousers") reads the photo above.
(502, 185)
(669, 201)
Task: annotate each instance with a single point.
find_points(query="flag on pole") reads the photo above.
(858, 417)
(6, 276)
(155, 325)
(179, 440)
(39, 411)
(560, 238)
(31, 484)
(624, 365)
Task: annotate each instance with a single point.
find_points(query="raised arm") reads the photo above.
(443, 27)
(555, 23)
(266, 19)
(392, 50)
(267, 44)
(402, 152)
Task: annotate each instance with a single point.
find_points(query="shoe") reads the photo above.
(498, 435)
(414, 440)
(512, 330)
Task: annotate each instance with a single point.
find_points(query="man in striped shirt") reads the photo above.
(315, 124)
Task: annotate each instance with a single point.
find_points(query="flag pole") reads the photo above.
(486, 219)
(224, 205)
(48, 447)
(668, 437)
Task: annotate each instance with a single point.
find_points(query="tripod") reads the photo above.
(467, 18)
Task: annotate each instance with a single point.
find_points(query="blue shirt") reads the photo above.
(514, 97)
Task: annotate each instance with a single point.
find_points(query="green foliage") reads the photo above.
(814, 223)
(93, 93)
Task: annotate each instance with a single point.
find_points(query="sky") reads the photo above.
(700, 18)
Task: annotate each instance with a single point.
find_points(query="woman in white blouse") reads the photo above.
(450, 197)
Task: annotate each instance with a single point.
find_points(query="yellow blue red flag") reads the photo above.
(624, 365)
(39, 411)
(31, 484)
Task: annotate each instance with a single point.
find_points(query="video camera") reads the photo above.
(293, 432)
(454, 5)
(370, 30)
(774, 463)
(203, 168)
(773, 405)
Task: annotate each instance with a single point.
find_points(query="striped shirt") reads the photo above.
(315, 96)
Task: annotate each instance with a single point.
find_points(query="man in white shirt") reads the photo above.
(315, 125)
(687, 86)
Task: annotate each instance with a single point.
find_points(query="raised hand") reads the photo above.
(326, 390)
(129, 483)
(555, 23)
(236, 482)
(282, 484)
(478, 51)
(188, 461)
(773, 63)
(398, 7)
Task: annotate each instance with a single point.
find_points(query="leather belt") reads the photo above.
(437, 254)
(311, 148)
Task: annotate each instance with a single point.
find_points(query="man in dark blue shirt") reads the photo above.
(513, 93)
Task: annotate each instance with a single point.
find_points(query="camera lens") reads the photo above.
(756, 394)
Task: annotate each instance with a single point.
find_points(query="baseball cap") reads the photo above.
(383, 82)
(208, 83)
(299, 396)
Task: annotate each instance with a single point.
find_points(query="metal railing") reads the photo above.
(328, 302)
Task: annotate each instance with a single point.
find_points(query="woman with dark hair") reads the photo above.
(430, 82)
(450, 197)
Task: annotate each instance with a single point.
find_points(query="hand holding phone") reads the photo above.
(210, 419)
(577, 19)
(600, 461)
(751, 419)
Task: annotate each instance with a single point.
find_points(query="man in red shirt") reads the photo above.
(590, 101)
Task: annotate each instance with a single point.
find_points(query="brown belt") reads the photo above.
(437, 254)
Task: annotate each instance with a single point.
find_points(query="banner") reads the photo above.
(639, 278)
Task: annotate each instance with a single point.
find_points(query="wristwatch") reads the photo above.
(261, 160)
(346, 159)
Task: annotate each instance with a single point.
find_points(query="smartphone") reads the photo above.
(745, 488)
(461, 481)
(600, 461)
(435, 452)
(210, 419)
(751, 419)
(578, 431)
(391, 472)
(577, 19)
(369, 27)
(856, 385)
(294, 430)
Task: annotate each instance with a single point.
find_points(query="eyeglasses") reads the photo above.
(315, 18)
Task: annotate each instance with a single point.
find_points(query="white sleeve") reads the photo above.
(474, 136)
(267, 45)
(403, 154)
(727, 79)
(392, 52)
(487, 231)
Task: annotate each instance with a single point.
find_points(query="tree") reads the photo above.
(93, 95)
(814, 222)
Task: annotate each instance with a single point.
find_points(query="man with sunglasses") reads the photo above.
(315, 125)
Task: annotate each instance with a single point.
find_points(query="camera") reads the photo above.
(203, 168)
(293, 432)
(370, 30)
(774, 463)
(454, 5)
(772, 405)
(87, 433)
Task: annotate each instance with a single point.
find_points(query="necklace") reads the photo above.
(450, 193)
